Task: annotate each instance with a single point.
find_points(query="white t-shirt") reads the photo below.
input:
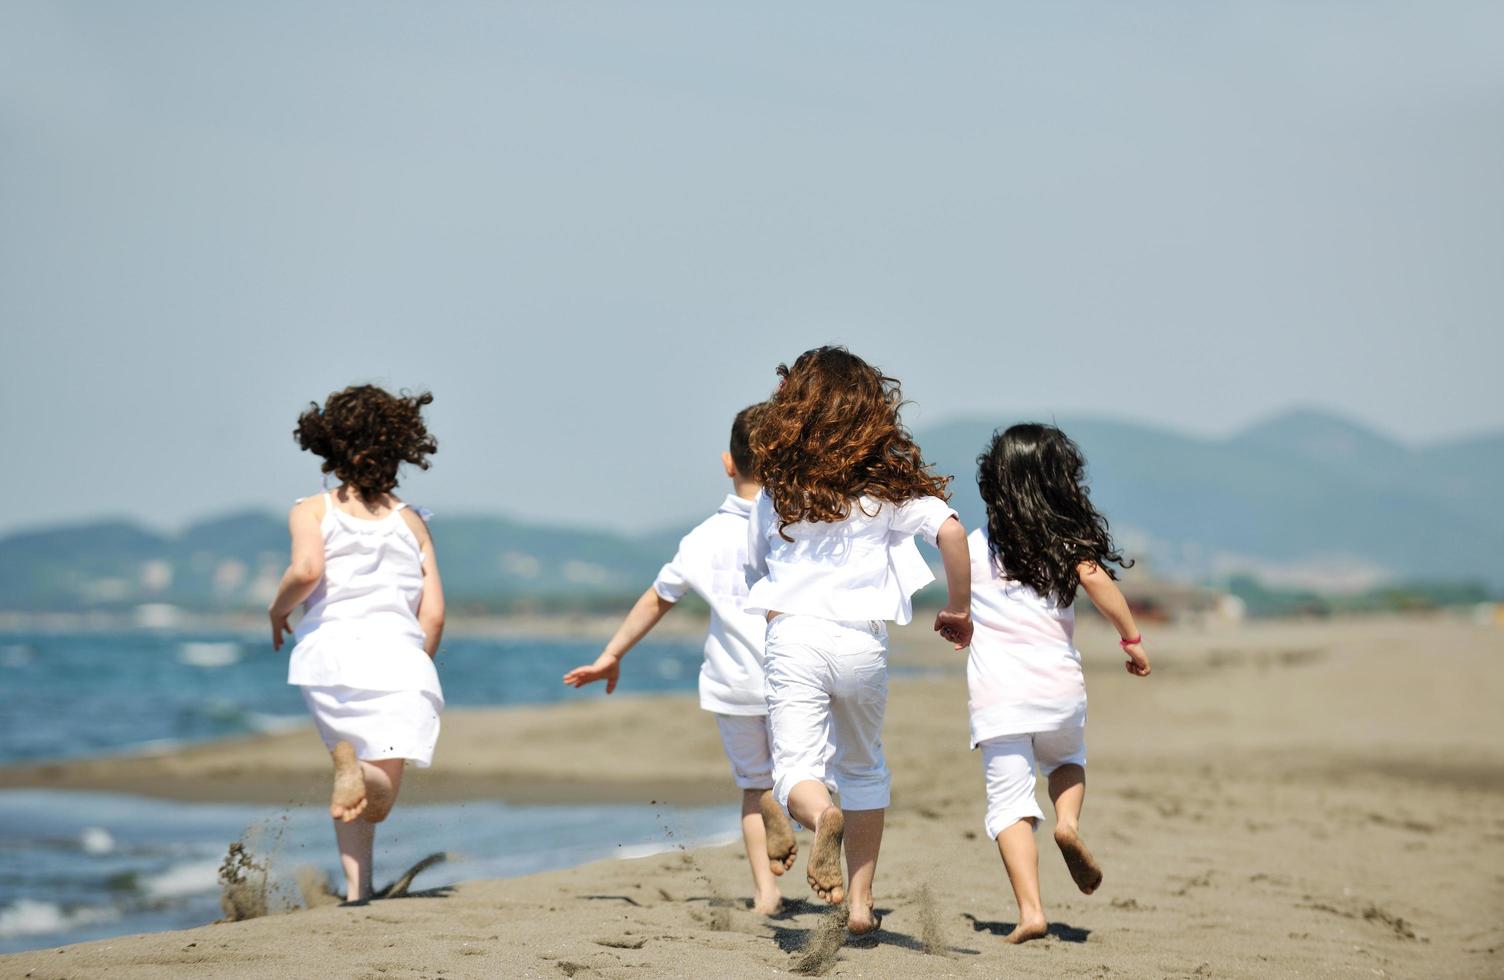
(865, 567)
(710, 561)
(1023, 673)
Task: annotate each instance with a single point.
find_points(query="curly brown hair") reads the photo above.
(365, 434)
(831, 434)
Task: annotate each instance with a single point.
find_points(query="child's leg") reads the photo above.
(1068, 790)
(783, 847)
(811, 804)
(1063, 756)
(356, 841)
(748, 746)
(798, 679)
(347, 801)
(380, 781)
(1012, 815)
(383, 781)
(861, 772)
(1021, 860)
(864, 839)
(766, 899)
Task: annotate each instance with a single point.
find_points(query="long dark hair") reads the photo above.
(1040, 520)
(830, 434)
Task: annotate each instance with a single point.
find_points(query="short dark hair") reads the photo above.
(741, 439)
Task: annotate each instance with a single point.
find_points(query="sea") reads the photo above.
(77, 866)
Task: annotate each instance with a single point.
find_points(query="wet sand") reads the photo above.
(1322, 799)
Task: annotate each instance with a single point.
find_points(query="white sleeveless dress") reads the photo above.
(359, 655)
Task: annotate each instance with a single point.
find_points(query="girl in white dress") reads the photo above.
(363, 568)
(831, 557)
(1028, 699)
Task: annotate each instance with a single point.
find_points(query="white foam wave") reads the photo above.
(631, 851)
(182, 880)
(208, 655)
(96, 841)
(29, 917)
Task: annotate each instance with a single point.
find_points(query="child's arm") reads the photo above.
(954, 621)
(1108, 598)
(645, 614)
(431, 605)
(303, 571)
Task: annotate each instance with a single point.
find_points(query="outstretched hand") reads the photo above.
(605, 668)
(1138, 660)
(955, 627)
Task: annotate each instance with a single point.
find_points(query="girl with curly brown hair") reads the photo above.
(364, 570)
(832, 558)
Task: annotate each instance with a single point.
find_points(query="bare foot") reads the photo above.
(348, 800)
(1034, 927)
(1078, 859)
(782, 847)
(824, 870)
(864, 920)
(769, 904)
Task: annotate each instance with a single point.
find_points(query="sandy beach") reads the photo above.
(1278, 800)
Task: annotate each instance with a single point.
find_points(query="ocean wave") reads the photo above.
(29, 917)
(96, 841)
(181, 880)
(208, 655)
(628, 852)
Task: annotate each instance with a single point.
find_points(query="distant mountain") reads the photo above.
(234, 562)
(1305, 499)
(1305, 495)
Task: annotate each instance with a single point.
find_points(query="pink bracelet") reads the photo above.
(1125, 644)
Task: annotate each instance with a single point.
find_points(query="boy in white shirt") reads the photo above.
(711, 560)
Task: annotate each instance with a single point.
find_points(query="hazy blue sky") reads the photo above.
(594, 229)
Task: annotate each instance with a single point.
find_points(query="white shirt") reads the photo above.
(865, 567)
(711, 561)
(1023, 673)
(360, 628)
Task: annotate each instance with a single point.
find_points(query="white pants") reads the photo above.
(748, 748)
(1008, 763)
(827, 692)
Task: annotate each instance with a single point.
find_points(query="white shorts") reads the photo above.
(827, 693)
(748, 749)
(1008, 763)
(378, 724)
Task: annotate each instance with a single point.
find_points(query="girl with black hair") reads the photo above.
(1043, 540)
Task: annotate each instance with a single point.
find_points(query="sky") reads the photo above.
(594, 229)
